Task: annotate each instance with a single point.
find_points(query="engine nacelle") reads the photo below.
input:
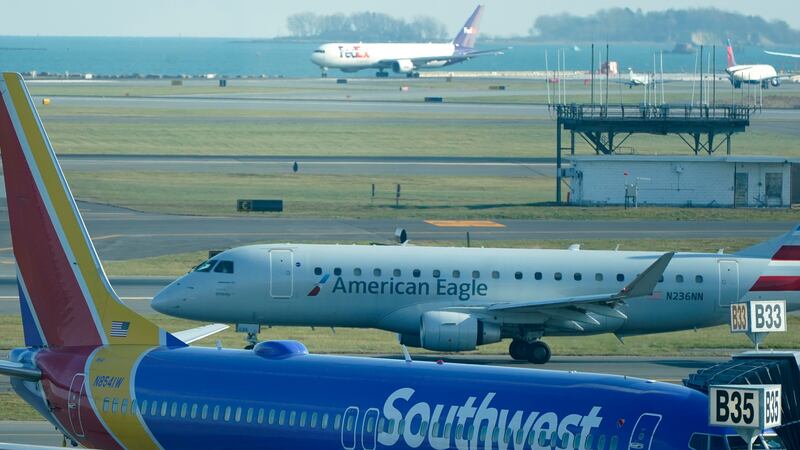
(447, 331)
(775, 82)
(403, 66)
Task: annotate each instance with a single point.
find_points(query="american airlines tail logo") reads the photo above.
(315, 290)
(450, 422)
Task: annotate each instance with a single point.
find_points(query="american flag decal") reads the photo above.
(119, 329)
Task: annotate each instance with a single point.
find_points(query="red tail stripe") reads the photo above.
(787, 253)
(777, 283)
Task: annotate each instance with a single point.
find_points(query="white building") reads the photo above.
(703, 181)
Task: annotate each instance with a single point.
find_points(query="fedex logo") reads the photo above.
(469, 30)
(352, 53)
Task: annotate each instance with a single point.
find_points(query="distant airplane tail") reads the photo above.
(469, 32)
(784, 254)
(731, 58)
(65, 297)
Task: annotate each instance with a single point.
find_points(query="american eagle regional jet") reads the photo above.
(404, 58)
(107, 378)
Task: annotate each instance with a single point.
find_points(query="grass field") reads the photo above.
(349, 196)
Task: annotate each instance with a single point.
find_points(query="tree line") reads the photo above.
(699, 26)
(364, 26)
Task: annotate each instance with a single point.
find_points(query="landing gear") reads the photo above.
(324, 72)
(537, 352)
(382, 74)
(412, 75)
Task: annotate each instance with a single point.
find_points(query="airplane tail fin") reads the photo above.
(465, 39)
(65, 296)
(784, 254)
(731, 58)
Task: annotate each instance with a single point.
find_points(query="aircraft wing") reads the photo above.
(195, 334)
(453, 57)
(575, 308)
(788, 55)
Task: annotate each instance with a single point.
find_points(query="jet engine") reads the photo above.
(446, 331)
(775, 82)
(403, 66)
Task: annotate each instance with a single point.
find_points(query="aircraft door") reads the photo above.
(643, 432)
(74, 404)
(349, 422)
(369, 429)
(728, 283)
(281, 273)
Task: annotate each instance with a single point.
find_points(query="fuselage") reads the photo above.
(391, 287)
(351, 57)
(279, 397)
(752, 73)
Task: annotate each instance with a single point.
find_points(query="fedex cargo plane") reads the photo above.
(402, 58)
(107, 378)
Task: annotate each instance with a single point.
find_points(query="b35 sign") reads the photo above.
(755, 407)
(758, 316)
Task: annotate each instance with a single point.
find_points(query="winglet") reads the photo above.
(645, 282)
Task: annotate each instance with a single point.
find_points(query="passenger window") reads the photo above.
(124, 406)
(154, 408)
(249, 415)
(281, 417)
(224, 267)
(557, 276)
(589, 441)
(476, 274)
(357, 272)
(215, 414)
(456, 274)
(564, 440)
(238, 416)
(325, 421)
(698, 279)
(613, 443)
(416, 273)
(517, 275)
(106, 403)
(337, 271)
(193, 414)
(314, 416)
(601, 442)
(114, 405)
(337, 422)
(577, 276)
(292, 418)
(303, 419)
(204, 413)
(184, 410)
(620, 278)
(436, 273)
(376, 272)
(143, 407)
(679, 278)
(317, 270)
(371, 425)
(495, 275)
(598, 277)
(349, 424)
(174, 410)
(397, 272)
(227, 416)
(537, 276)
(271, 418)
(205, 266)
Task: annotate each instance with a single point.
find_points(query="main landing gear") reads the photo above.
(537, 352)
(382, 74)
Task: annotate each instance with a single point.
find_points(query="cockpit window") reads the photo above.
(206, 266)
(224, 267)
(319, 50)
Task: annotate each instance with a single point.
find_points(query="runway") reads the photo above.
(122, 234)
(671, 370)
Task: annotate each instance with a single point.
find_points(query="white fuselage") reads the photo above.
(352, 57)
(752, 73)
(391, 287)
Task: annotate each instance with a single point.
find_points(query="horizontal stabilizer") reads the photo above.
(195, 334)
(17, 370)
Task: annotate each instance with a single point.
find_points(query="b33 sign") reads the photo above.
(758, 316)
(756, 407)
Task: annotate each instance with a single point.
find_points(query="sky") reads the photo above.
(267, 18)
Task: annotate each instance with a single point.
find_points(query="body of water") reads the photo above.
(231, 57)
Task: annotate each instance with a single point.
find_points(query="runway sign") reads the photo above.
(752, 407)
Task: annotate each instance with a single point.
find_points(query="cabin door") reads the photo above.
(728, 283)
(74, 404)
(281, 273)
(643, 432)
(349, 422)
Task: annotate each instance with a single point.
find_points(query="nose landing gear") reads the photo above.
(536, 352)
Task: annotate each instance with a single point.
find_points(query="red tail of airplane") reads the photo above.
(731, 58)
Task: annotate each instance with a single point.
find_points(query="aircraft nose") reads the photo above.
(170, 299)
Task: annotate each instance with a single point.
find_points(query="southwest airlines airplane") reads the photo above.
(110, 379)
(400, 57)
(454, 299)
